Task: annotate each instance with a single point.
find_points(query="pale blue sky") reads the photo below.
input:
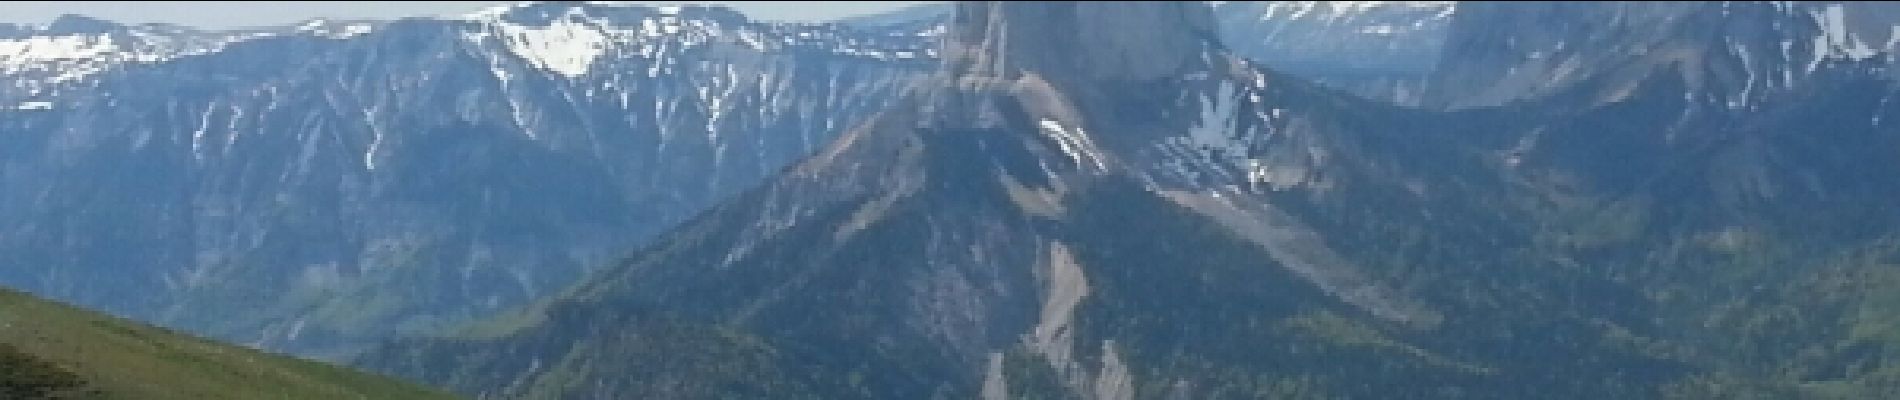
(218, 14)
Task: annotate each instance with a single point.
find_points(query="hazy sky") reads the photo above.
(218, 14)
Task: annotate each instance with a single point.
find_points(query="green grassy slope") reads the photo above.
(45, 345)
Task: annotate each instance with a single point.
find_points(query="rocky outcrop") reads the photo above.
(1126, 41)
(1376, 49)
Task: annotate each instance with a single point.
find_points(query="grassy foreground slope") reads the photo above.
(50, 350)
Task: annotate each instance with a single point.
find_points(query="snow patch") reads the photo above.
(1835, 40)
(50, 48)
(1748, 68)
(66, 57)
(1216, 148)
(331, 30)
(198, 136)
(1214, 130)
(1379, 29)
(564, 47)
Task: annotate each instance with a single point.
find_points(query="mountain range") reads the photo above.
(302, 192)
(990, 199)
(317, 187)
(1103, 201)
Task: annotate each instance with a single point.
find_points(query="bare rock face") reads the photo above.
(1101, 41)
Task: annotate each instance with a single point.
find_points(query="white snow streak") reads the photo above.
(198, 137)
(1074, 144)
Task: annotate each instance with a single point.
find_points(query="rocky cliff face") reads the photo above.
(1376, 49)
(314, 192)
(1138, 41)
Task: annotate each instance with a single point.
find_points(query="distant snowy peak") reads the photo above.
(1341, 11)
(568, 38)
(545, 12)
(1375, 49)
(1385, 35)
(1732, 54)
(36, 61)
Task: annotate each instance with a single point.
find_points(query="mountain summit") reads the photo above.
(1017, 226)
(1131, 41)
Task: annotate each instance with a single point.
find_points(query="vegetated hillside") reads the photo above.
(51, 350)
